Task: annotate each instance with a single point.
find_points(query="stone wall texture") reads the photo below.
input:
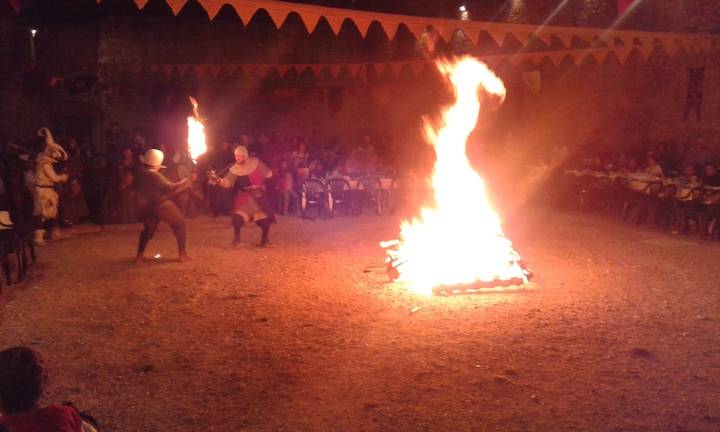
(588, 106)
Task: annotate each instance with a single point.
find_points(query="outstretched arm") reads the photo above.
(225, 182)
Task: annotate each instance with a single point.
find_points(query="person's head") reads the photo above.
(153, 159)
(126, 178)
(651, 161)
(22, 379)
(710, 169)
(632, 163)
(241, 154)
(244, 140)
(688, 170)
(301, 146)
(127, 153)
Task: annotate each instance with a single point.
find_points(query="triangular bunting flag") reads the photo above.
(522, 37)
(416, 28)
(536, 59)
(212, 8)
(628, 40)
(335, 22)
(587, 37)
(176, 5)
(498, 37)
(310, 21)
(446, 31)
(200, 70)
(183, 68)
(391, 28)
(245, 13)
(417, 67)
(363, 24)
(671, 47)
(213, 70)
(600, 55)
(335, 70)
(557, 58)
(543, 36)
(645, 50)
(283, 69)
(472, 31)
(622, 53)
(141, 3)
(687, 45)
(355, 69)
(565, 38)
(278, 16)
(396, 68)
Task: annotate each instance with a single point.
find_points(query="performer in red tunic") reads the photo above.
(247, 178)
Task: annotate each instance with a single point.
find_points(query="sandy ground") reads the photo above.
(619, 331)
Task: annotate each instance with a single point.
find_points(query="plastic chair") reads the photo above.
(313, 195)
(371, 193)
(694, 209)
(341, 195)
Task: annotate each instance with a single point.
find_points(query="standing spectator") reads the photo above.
(300, 153)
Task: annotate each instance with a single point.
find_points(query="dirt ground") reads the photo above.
(619, 331)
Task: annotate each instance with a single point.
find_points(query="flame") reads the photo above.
(196, 134)
(459, 239)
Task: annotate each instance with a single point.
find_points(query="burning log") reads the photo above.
(457, 244)
(393, 270)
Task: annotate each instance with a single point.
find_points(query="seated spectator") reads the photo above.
(689, 175)
(317, 169)
(22, 380)
(711, 177)
(652, 167)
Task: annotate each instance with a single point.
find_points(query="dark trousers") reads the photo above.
(166, 211)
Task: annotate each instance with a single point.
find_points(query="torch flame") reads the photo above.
(458, 240)
(196, 134)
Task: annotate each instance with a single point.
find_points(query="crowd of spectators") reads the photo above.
(693, 162)
(101, 190)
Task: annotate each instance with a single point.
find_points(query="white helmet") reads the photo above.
(52, 149)
(153, 158)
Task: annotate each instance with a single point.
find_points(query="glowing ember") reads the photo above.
(459, 239)
(196, 134)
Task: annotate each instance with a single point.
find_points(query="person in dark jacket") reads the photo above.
(155, 195)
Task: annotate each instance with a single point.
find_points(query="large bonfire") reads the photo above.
(458, 240)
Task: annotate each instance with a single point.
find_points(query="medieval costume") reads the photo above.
(46, 198)
(155, 195)
(247, 180)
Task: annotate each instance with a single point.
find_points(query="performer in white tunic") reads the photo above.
(250, 204)
(46, 199)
